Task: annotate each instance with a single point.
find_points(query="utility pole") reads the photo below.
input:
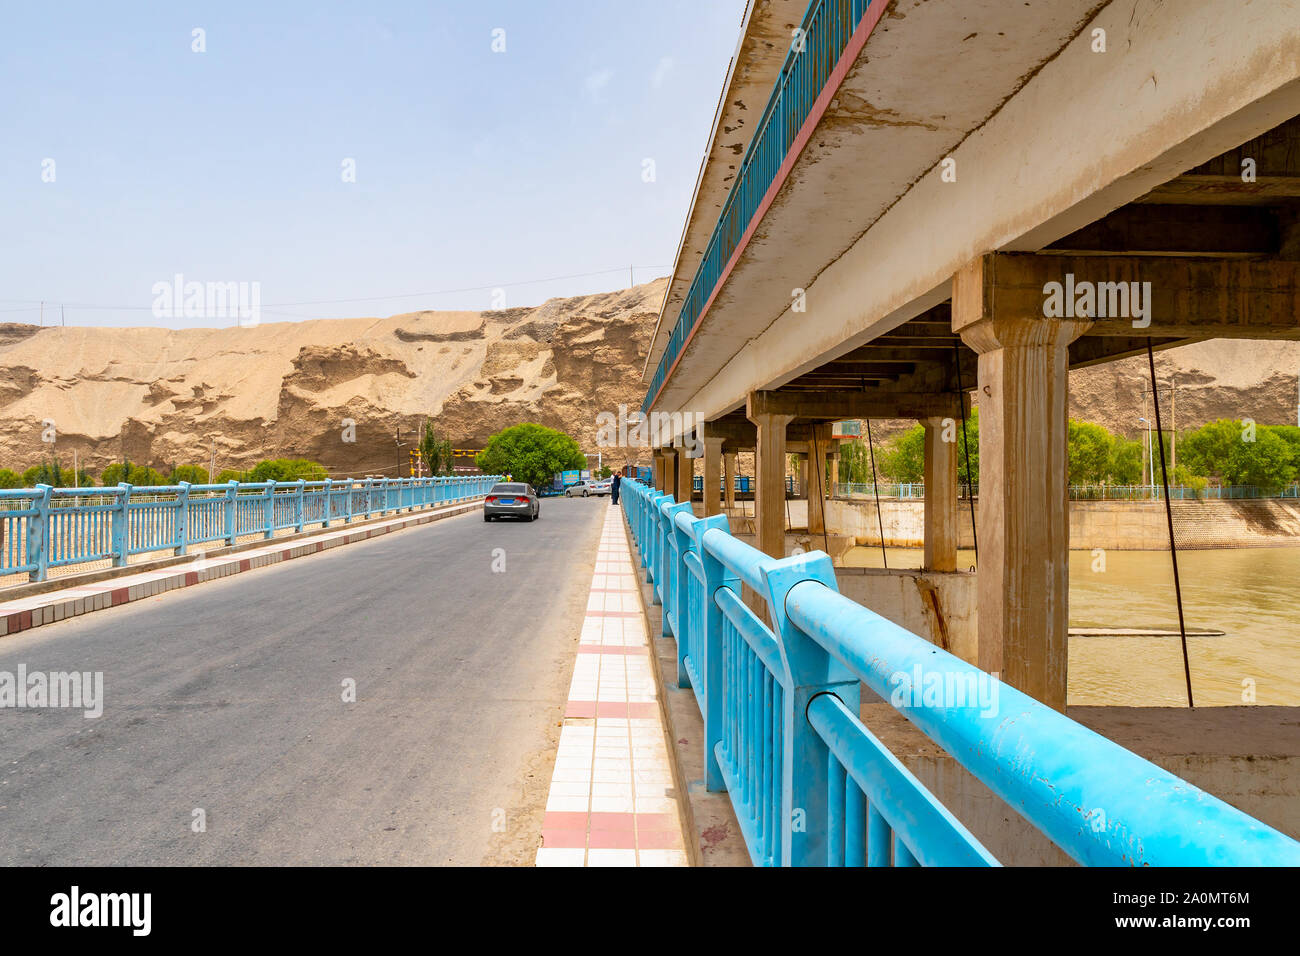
(212, 470)
(63, 318)
(42, 313)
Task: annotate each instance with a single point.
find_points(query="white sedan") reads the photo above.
(588, 487)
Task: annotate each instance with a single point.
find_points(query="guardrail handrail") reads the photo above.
(825, 31)
(811, 785)
(58, 527)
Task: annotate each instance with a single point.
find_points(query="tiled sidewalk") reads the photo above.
(22, 613)
(612, 800)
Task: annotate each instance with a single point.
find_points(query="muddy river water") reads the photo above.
(1252, 594)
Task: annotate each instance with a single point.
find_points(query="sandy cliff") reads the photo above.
(160, 396)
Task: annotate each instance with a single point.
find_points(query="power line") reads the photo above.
(376, 298)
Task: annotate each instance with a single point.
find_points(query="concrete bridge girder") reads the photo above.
(1027, 184)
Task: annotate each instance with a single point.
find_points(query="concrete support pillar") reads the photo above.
(657, 463)
(685, 475)
(729, 479)
(712, 475)
(1024, 527)
(769, 484)
(940, 494)
(801, 475)
(815, 478)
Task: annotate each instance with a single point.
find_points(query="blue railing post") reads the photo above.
(122, 527)
(329, 498)
(268, 510)
(805, 791)
(679, 578)
(182, 517)
(38, 534)
(347, 512)
(654, 571)
(232, 512)
(299, 511)
(716, 577)
(370, 497)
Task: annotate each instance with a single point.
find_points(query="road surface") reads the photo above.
(227, 698)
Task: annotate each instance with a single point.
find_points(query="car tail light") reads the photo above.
(491, 500)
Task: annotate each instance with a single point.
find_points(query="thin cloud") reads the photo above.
(661, 71)
(595, 84)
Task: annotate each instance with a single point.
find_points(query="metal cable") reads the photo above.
(875, 486)
(965, 448)
(1169, 517)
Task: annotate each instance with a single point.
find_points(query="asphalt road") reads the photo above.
(227, 697)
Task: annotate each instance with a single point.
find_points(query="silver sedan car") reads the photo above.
(512, 500)
(588, 487)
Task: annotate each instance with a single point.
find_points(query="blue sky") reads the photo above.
(473, 168)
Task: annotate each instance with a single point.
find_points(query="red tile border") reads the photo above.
(567, 839)
(612, 840)
(564, 820)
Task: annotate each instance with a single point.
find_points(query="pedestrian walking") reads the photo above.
(613, 488)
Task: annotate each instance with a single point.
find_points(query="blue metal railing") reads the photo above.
(826, 30)
(811, 785)
(45, 527)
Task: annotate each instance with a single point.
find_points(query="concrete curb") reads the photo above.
(82, 594)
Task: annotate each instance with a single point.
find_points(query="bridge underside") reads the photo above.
(1148, 195)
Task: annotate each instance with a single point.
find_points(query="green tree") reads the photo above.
(531, 453)
(1089, 453)
(230, 474)
(10, 479)
(115, 473)
(1291, 435)
(435, 451)
(902, 458)
(1265, 463)
(1211, 450)
(288, 469)
(137, 475)
(194, 474)
(1126, 458)
(46, 473)
(1223, 450)
(968, 451)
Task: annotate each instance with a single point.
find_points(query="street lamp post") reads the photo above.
(1150, 462)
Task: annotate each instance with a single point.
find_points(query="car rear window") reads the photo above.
(508, 490)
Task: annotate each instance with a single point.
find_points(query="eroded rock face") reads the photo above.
(303, 389)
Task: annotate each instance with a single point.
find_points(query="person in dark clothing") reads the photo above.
(613, 488)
